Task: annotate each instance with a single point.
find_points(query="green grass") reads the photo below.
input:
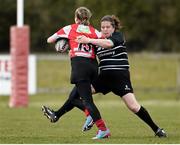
(153, 76)
(28, 125)
(159, 71)
(154, 82)
(53, 73)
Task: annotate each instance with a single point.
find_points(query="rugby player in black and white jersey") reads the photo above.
(114, 73)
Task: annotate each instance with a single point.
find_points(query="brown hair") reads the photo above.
(83, 14)
(115, 22)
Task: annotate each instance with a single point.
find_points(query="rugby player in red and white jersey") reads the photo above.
(84, 66)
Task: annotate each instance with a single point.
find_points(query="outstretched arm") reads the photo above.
(105, 43)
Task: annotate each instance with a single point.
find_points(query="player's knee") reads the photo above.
(87, 103)
(134, 107)
(131, 102)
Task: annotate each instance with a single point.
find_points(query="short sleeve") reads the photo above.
(117, 38)
(64, 32)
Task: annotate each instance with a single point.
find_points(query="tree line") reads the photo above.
(149, 25)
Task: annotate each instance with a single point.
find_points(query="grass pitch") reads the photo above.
(29, 126)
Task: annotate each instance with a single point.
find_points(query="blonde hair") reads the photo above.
(83, 14)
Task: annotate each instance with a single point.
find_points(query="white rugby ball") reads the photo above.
(62, 45)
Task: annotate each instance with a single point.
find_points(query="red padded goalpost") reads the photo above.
(19, 51)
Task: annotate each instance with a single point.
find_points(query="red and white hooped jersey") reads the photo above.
(72, 32)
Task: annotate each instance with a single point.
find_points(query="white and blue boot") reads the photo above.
(88, 124)
(102, 134)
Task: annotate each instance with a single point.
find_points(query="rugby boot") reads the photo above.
(88, 124)
(50, 114)
(160, 133)
(102, 134)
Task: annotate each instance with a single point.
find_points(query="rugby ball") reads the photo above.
(62, 45)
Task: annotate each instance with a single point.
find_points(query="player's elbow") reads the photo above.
(50, 40)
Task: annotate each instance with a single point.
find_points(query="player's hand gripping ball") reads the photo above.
(62, 45)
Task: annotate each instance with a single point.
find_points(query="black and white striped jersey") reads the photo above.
(115, 58)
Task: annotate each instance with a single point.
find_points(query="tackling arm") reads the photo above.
(105, 43)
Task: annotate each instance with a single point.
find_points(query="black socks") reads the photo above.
(144, 115)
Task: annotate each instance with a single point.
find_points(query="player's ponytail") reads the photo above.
(83, 14)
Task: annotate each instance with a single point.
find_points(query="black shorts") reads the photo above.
(116, 81)
(83, 69)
